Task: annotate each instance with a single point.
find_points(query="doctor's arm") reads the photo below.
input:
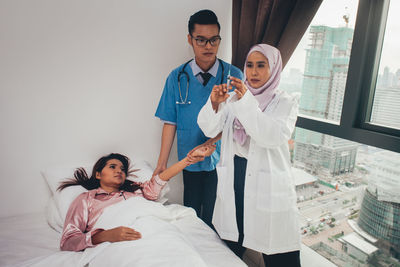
(210, 142)
(267, 129)
(167, 139)
(212, 116)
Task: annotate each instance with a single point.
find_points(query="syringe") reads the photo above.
(228, 80)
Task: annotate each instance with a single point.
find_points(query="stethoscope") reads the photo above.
(183, 72)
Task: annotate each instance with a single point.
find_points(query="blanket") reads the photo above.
(165, 240)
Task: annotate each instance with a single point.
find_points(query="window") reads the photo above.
(347, 191)
(386, 103)
(346, 146)
(318, 68)
(338, 84)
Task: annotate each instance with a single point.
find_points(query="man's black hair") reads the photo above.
(203, 17)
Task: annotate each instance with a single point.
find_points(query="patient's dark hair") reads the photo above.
(203, 17)
(82, 178)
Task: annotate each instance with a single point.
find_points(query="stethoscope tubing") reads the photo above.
(183, 72)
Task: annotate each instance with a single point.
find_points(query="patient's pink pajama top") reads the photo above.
(88, 206)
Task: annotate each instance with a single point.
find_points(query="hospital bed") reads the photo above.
(33, 239)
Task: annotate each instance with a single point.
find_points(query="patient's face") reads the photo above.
(112, 175)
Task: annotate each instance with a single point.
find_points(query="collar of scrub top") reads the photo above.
(197, 70)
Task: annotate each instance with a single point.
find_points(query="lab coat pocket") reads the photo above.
(222, 172)
(273, 191)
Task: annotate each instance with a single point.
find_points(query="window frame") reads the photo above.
(362, 75)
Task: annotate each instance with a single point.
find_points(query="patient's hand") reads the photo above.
(117, 234)
(200, 152)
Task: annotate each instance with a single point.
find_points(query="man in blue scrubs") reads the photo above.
(185, 92)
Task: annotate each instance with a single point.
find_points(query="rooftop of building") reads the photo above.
(353, 224)
(302, 177)
(358, 242)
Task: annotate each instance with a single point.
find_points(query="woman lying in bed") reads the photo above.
(108, 185)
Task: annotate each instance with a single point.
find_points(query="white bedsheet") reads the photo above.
(171, 236)
(24, 237)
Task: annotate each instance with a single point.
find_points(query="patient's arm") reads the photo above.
(151, 189)
(74, 237)
(117, 234)
(197, 155)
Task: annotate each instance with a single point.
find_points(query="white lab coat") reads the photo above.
(270, 212)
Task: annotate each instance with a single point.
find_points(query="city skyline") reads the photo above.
(287, 72)
(330, 15)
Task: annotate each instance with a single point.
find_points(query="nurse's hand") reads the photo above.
(218, 95)
(240, 87)
(159, 169)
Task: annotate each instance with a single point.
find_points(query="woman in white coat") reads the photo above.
(256, 199)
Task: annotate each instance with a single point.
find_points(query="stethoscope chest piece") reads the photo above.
(183, 102)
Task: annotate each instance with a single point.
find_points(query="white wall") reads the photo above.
(80, 79)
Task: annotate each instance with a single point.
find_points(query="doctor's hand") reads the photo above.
(203, 151)
(200, 152)
(240, 87)
(218, 95)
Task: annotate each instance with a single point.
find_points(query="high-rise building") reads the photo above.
(323, 87)
(386, 107)
(291, 80)
(380, 208)
(385, 110)
(386, 81)
(397, 79)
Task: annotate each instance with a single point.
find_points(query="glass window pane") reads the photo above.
(318, 67)
(348, 195)
(386, 105)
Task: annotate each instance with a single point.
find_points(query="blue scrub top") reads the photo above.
(189, 133)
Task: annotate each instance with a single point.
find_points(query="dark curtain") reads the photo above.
(280, 23)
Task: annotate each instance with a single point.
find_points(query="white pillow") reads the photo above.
(60, 201)
(144, 174)
(57, 174)
(64, 198)
(53, 216)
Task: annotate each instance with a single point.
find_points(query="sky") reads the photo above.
(331, 14)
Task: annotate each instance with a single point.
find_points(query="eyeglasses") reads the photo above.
(214, 41)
